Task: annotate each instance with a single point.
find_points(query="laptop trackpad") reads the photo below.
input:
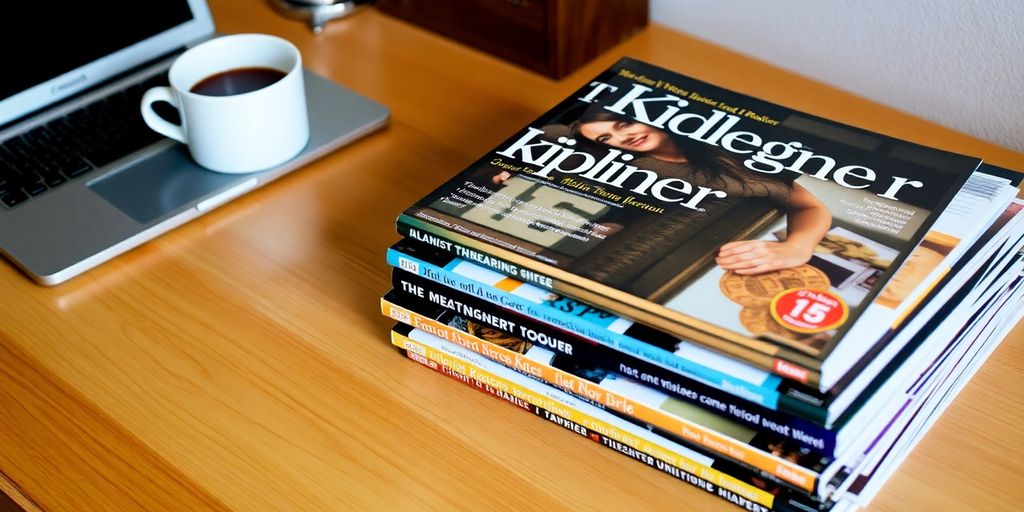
(161, 184)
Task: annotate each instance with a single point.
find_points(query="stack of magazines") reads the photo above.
(763, 303)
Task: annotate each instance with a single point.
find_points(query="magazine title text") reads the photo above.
(666, 112)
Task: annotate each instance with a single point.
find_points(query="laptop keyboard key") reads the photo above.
(75, 169)
(34, 188)
(7, 172)
(13, 198)
(54, 180)
(99, 153)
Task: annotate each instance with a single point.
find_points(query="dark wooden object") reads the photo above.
(552, 37)
(8, 505)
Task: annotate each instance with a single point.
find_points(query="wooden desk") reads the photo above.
(240, 362)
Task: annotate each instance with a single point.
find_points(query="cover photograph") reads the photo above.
(714, 216)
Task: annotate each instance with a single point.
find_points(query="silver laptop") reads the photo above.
(82, 178)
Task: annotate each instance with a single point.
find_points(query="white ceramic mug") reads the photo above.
(237, 133)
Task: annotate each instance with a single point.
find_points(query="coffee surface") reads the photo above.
(237, 81)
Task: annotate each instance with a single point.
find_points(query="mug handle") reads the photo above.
(157, 123)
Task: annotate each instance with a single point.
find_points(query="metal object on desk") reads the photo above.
(318, 12)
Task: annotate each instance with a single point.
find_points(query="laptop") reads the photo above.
(82, 178)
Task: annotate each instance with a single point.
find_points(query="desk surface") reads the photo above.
(241, 363)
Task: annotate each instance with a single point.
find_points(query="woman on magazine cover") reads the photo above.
(807, 218)
(655, 248)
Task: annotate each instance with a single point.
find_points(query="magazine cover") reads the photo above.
(712, 215)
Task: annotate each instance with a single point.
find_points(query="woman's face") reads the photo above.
(626, 135)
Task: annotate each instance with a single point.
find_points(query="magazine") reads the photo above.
(962, 312)
(431, 299)
(738, 485)
(738, 224)
(434, 302)
(988, 326)
(762, 449)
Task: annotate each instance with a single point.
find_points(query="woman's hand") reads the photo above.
(807, 221)
(749, 257)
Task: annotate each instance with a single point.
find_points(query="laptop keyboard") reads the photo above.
(72, 146)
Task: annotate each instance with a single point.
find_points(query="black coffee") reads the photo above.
(237, 81)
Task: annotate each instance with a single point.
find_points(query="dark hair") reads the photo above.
(710, 163)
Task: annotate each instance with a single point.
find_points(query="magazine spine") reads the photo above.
(779, 360)
(658, 457)
(796, 475)
(581, 325)
(689, 390)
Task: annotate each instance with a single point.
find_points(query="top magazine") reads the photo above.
(767, 234)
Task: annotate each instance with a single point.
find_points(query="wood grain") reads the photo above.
(240, 362)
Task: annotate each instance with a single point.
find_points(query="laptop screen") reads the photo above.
(92, 42)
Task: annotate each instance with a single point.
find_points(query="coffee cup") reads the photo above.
(241, 100)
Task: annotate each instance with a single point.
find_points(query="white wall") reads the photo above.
(959, 63)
